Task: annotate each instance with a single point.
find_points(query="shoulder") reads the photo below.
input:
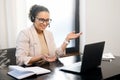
(48, 32)
(26, 30)
(24, 33)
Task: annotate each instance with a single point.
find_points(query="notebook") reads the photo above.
(20, 72)
(91, 59)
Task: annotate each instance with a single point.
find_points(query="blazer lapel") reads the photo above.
(50, 42)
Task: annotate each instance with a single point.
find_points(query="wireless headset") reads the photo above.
(32, 11)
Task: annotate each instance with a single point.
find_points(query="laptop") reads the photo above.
(91, 59)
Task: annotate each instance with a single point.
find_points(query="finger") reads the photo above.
(46, 55)
(80, 33)
(45, 58)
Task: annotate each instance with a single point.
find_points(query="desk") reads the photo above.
(108, 71)
(111, 70)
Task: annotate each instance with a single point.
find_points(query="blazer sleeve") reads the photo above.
(60, 52)
(22, 49)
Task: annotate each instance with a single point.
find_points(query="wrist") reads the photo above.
(66, 41)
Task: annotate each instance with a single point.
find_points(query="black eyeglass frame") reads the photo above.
(42, 20)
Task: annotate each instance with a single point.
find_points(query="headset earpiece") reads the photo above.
(32, 18)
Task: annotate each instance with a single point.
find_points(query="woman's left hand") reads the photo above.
(73, 35)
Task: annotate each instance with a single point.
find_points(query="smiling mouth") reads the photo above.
(42, 27)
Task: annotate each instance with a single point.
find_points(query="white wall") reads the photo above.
(7, 23)
(11, 23)
(103, 23)
(2, 25)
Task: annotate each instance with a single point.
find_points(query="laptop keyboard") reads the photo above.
(75, 67)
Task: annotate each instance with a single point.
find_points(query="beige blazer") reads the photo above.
(28, 45)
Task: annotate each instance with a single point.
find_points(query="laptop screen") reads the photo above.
(91, 59)
(92, 55)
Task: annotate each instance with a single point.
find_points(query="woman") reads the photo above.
(35, 44)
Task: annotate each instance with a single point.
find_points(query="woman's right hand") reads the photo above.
(49, 58)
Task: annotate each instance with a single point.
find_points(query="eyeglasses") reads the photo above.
(42, 20)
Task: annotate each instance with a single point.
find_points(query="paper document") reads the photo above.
(21, 72)
(108, 56)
